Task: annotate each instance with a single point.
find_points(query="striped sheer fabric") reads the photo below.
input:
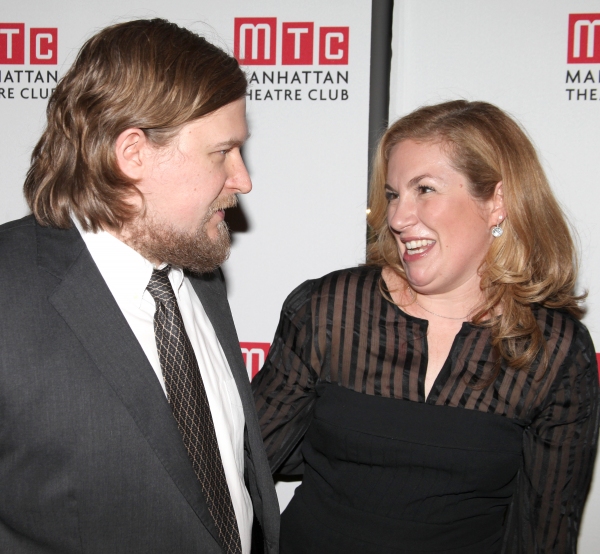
(339, 329)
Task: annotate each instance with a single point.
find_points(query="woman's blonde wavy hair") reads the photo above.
(148, 74)
(533, 262)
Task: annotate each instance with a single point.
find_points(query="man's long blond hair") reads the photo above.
(148, 74)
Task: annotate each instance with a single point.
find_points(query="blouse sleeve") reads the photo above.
(558, 459)
(285, 388)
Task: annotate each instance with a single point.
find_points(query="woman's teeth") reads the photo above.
(417, 246)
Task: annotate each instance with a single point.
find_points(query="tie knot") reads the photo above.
(159, 286)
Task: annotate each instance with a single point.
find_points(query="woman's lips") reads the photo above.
(417, 249)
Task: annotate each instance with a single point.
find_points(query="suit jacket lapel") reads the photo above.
(212, 294)
(86, 304)
(211, 291)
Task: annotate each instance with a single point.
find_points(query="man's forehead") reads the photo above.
(224, 127)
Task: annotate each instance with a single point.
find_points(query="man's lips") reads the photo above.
(220, 206)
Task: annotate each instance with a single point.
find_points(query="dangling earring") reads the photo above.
(497, 230)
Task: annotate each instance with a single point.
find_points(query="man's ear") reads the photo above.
(130, 149)
(498, 213)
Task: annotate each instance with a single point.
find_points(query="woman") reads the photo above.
(445, 395)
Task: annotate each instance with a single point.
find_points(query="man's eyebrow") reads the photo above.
(232, 143)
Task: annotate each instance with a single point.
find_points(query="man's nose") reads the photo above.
(240, 178)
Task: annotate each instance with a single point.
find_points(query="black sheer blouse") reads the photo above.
(340, 330)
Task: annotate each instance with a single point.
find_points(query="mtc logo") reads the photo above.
(583, 46)
(255, 42)
(43, 45)
(254, 354)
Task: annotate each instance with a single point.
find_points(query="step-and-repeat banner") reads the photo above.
(540, 61)
(308, 68)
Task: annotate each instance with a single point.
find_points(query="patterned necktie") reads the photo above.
(187, 396)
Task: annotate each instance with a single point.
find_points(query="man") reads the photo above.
(127, 424)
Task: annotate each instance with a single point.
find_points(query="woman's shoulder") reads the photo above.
(339, 283)
(567, 337)
(559, 322)
(363, 275)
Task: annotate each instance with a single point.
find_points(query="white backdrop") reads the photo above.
(515, 54)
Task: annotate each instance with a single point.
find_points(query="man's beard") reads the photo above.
(195, 251)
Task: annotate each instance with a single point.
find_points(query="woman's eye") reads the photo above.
(424, 189)
(390, 195)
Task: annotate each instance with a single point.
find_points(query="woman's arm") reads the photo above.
(284, 389)
(558, 459)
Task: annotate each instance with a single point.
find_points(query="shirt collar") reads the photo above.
(126, 272)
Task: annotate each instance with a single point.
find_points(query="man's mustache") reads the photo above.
(223, 203)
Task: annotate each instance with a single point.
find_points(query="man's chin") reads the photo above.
(213, 235)
(198, 252)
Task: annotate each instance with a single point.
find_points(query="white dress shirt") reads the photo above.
(127, 275)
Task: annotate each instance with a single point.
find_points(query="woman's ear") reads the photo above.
(130, 148)
(498, 213)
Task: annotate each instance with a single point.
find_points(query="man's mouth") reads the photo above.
(222, 204)
(417, 246)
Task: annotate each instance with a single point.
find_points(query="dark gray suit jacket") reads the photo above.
(91, 459)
